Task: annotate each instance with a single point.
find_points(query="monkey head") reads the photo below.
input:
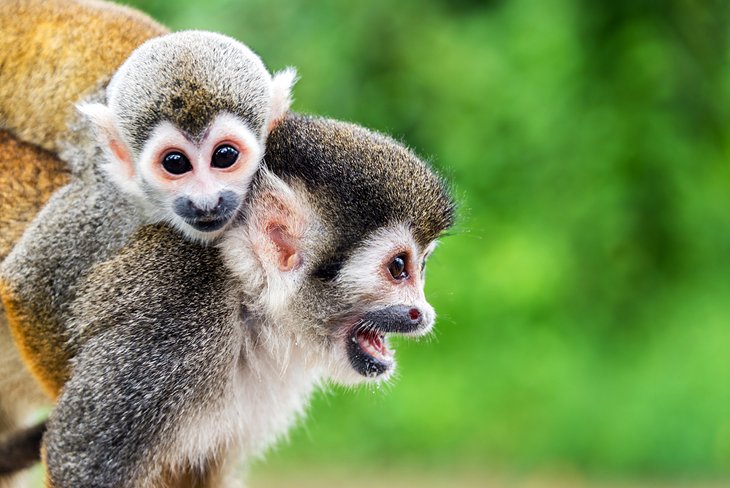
(185, 124)
(333, 244)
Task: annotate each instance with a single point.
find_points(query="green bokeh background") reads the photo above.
(584, 298)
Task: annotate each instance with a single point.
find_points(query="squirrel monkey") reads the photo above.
(184, 127)
(171, 359)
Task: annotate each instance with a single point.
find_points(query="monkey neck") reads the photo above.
(269, 388)
(275, 386)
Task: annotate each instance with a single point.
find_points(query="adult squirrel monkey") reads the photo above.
(170, 359)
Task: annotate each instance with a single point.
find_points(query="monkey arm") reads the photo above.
(124, 410)
(158, 352)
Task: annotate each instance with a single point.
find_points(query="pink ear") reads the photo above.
(280, 222)
(119, 150)
(288, 257)
(106, 130)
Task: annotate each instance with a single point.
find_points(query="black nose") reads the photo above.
(397, 318)
(224, 206)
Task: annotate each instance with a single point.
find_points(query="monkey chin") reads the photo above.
(354, 365)
(362, 354)
(368, 353)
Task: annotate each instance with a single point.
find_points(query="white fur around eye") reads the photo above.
(365, 274)
(165, 136)
(229, 129)
(364, 271)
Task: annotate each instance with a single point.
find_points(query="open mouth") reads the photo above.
(367, 348)
(369, 353)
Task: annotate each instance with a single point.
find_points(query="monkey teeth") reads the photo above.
(373, 343)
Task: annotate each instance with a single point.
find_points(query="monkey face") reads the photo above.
(184, 127)
(340, 311)
(198, 184)
(382, 286)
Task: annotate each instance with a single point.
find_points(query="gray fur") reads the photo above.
(133, 380)
(171, 81)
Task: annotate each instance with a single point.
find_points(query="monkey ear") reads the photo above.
(281, 100)
(120, 167)
(279, 221)
(286, 246)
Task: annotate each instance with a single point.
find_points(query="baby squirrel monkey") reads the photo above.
(185, 125)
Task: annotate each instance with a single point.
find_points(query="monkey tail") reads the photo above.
(21, 449)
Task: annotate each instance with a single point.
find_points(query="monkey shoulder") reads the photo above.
(159, 282)
(39, 82)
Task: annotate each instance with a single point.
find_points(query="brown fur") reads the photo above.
(53, 52)
(213, 474)
(42, 354)
(28, 177)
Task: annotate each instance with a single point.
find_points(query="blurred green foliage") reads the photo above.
(584, 298)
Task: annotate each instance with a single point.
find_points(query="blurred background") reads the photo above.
(584, 298)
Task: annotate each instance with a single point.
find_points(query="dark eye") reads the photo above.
(176, 163)
(397, 267)
(224, 157)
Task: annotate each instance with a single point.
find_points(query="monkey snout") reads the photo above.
(221, 207)
(207, 217)
(396, 318)
(228, 202)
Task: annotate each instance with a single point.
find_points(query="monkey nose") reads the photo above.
(396, 318)
(206, 210)
(219, 205)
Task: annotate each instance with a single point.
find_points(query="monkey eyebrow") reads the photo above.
(187, 136)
